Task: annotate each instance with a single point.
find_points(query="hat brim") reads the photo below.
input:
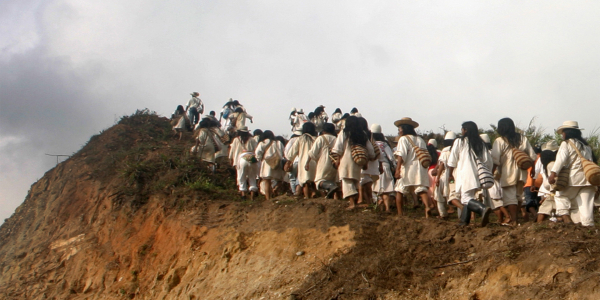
(560, 129)
(408, 122)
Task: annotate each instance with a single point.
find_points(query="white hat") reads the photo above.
(243, 129)
(432, 142)
(485, 138)
(568, 124)
(551, 145)
(450, 135)
(293, 109)
(300, 111)
(297, 132)
(375, 128)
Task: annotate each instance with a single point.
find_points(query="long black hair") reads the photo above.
(244, 136)
(267, 135)
(355, 132)
(309, 128)
(546, 157)
(328, 128)
(475, 141)
(448, 142)
(572, 133)
(337, 110)
(408, 129)
(319, 110)
(433, 153)
(506, 129)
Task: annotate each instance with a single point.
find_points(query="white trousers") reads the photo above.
(575, 199)
(246, 173)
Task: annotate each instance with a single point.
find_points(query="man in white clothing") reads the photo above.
(195, 108)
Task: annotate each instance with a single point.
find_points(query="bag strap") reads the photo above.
(576, 150)
(410, 140)
(268, 146)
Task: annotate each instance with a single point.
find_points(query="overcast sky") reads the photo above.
(69, 69)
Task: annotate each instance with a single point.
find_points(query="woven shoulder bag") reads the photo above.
(524, 162)
(485, 176)
(590, 169)
(359, 154)
(274, 161)
(421, 154)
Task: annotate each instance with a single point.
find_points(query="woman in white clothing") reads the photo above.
(348, 169)
(300, 149)
(180, 121)
(412, 176)
(547, 158)
(442, 180)
(326, 175)
(242, 157)
(207, 143)
(579, 189)
(387, 164)
(269, 148)
(512, 178)
(463, 157)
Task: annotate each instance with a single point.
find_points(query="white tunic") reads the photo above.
(412, 173)
(266, 171)
(301, 150)
(463, 160)
(567, 157)
(319, 152)
(503, 157)
(238, 147)
(386, 179)
(348, 169)
(206, 145)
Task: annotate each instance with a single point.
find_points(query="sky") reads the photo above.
(71, 68)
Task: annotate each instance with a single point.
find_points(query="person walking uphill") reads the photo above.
(573, 152)
(351, 152)
(463, 157)
(411, 173)
(513, 175)
(269, 152)
(195, 108)
(307, 169)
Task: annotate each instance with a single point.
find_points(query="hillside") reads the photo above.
(132, 216)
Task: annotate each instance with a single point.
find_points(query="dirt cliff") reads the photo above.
(132, 216)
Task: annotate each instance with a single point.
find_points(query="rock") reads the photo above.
(300, 253)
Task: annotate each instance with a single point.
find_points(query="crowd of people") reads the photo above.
(345, 158)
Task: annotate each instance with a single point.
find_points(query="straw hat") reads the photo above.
(298, 132)
(406, 120)
(485, 137)
(450, 135)
(375, 128)
(432, 142)
(293, 109)
(195, 94)
(551, 145)
(568, 124)
(243, 129)
(300, 111)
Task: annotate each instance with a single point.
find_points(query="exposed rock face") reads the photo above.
(127, 218)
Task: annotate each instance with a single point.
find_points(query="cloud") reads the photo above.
(69, 68)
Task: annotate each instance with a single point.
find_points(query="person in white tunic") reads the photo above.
(242, 157)
(495, 192)
(320, 117)
(546, 192)
(463, 157)
(298, 120)
(411, 176)
(239, 117)
(579, 189)
(301, 149)
(180, 121)
(348, 169)
(512, 178)
(268, 148)
(326, 176)
(384, 187)
(444, 188)
(296, 189)
(371, 173)
(195, 108)
(336, 117)
(207, 143)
